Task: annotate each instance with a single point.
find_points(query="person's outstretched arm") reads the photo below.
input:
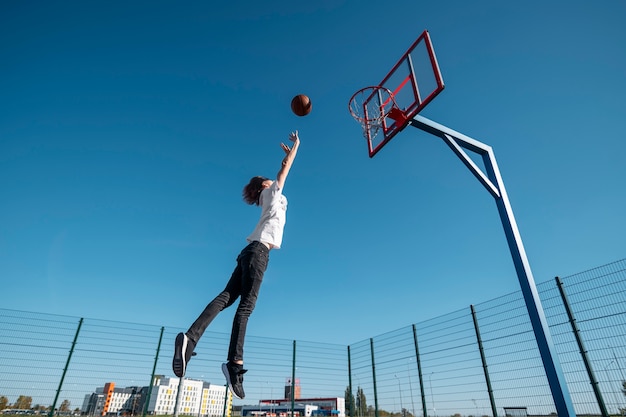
(288, 159)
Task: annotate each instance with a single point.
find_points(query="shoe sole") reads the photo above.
(228, 381)
(178, 363)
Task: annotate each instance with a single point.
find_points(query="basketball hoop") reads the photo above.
(370, 106)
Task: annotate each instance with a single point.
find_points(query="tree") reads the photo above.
(23, 402)
(65, 406)
(350, 404)
(4, 402)
(361, 402)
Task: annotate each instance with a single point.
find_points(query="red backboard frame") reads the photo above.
(415, 80)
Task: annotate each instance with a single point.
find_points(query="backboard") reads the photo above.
(413, 82)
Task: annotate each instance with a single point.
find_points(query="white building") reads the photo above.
(303, 407)
(109, 400)
(263, 410)
(198, 397)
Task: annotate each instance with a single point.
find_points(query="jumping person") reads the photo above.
(246, 279)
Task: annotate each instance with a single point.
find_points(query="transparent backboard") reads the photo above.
(414, 81)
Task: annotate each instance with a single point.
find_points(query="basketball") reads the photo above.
(301, 105)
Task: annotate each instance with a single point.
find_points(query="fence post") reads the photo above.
(352, 403)
(293, 380)
(225, 401)
(179, 394)
(419, 371)
(67, 364)
(484, 361)
(581, 348)
(374, 378)
(146, 403)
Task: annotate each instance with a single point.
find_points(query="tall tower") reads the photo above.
(296, 387)
(109, 388)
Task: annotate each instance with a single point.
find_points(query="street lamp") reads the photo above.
(261, 397)
(608, 381)
(432, 398)
(400, 391)
(617, 363)
(408, 365)
(271, 398)
(476, 405)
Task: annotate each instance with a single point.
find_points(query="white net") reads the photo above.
(370, 106)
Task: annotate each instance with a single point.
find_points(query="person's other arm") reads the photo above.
(288, 159)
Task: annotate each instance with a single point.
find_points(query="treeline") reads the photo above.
(24, 402)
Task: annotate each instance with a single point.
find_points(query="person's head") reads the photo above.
(252, 191)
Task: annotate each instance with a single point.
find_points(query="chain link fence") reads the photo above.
(478, 361)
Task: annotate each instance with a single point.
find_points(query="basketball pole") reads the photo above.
(492, 181)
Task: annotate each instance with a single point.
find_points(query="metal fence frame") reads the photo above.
(477, 361)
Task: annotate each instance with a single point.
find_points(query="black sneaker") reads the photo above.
(234, 376)
(183, 351)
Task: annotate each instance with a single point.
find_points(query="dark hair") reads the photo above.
(252, 191)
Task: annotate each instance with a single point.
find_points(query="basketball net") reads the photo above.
(370, 106)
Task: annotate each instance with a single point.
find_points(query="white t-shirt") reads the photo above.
(270, 227)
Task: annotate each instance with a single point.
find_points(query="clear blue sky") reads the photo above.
(128, 129)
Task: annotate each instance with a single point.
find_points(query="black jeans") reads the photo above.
(245, 282)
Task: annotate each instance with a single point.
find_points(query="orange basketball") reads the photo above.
(301, 105)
